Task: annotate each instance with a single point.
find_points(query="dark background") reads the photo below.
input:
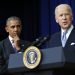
(27, 10)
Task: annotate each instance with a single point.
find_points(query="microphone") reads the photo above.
(46, 38)
(34, 43)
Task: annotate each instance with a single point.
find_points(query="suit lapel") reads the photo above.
(71, 38)
(8, 46)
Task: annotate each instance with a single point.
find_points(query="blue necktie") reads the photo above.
(63, 39)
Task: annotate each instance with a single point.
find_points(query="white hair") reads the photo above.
(62, 5)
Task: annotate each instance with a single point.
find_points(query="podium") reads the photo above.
(52, 58)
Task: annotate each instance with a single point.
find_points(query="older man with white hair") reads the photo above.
(66, 36)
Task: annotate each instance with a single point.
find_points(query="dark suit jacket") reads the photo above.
(5, 50)
(55, 41)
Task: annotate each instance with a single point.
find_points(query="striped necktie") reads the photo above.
(14, 46)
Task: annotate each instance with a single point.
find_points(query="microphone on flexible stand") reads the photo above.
(45, 39)
(34, 43)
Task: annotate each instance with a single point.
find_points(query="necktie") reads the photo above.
(63, 39)
(14, 46)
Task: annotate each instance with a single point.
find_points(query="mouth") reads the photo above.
(65, 23)
(15, 34)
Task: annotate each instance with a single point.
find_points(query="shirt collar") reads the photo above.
(10, 38)
(68, 31)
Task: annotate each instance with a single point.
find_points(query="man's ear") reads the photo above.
(72, 18)
(6, 28)
(56, 19)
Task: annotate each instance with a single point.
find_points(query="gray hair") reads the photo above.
(13, 18)
(68, 6)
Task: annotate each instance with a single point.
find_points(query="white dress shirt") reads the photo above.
(67, 32)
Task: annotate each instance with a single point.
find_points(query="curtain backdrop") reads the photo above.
(37, 16)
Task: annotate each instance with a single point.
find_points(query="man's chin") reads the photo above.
(66, 27)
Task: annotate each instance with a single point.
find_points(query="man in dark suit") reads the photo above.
(13, 43)
(66, 37)
(64, 17)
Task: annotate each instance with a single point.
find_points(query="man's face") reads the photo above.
(14, 28)
(64, 17)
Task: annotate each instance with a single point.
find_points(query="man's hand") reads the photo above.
(17, 42)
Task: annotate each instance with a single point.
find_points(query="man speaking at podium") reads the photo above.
(65, 38)
(64, 17)
(13, 43)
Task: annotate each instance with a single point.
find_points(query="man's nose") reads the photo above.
(15, 28)
(64, 17)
